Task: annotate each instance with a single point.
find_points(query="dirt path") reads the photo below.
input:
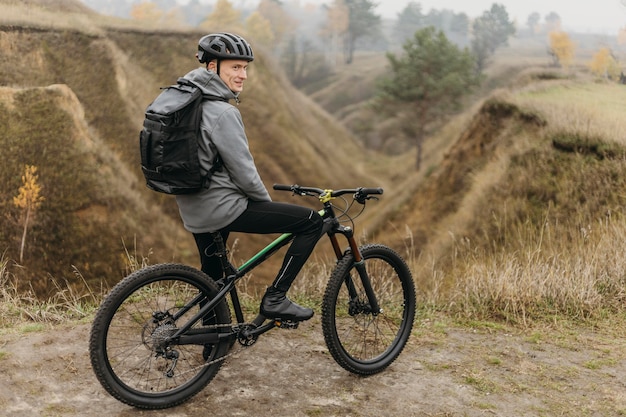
(446, 371)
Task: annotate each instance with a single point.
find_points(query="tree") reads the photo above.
(533, 22)
(260, 29)
(410, 19)
(561, 48)
(553, 22)
(195, 12)
(146, 11)
(459, 28)
(621, 36)
(336, 28)
(28, 199)
(361, 22)
(280, 22)
(604, 64)
(491, 31)
(174, 17)
(301, 62)
(438, 19)
(223, 17)
(427, 83)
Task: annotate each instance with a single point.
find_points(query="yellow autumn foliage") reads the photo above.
(260, 29)
(146, 11)
(562, 48)
(603, 64)
(28, 199)
(29, 193)
(223, 17)
(282, 24)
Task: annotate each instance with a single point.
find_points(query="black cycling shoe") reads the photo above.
(276, 305)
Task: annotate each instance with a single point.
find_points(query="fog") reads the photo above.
(598, 16)
(585, 16)
(593, 16)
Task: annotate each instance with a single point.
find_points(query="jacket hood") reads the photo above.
(210, 83)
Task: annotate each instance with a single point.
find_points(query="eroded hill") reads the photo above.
(511, 160)
(73, 103)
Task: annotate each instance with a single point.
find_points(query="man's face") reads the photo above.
(234, 72)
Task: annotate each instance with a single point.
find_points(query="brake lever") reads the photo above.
(303, 193)
(362, 198)
(295, 190)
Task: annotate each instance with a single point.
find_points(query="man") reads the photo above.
(237, 200)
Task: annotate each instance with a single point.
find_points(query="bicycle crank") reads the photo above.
(246, 335)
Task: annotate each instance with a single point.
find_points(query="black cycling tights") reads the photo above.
(264, 217)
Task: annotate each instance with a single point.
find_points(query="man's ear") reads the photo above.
(212, 65)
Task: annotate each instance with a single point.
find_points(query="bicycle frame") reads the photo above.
(332, 227)
(162, 333)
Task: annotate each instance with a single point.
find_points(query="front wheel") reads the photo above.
(129, 345)
(363, 341)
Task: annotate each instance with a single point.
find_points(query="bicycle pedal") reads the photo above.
(291, 325)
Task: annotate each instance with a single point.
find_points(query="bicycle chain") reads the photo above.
(241, 348)
(222, 358)
(231, 352)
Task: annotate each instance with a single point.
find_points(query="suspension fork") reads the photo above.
(359, 264)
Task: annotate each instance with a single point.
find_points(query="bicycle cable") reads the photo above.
(345, 216)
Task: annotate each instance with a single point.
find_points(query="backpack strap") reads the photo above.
(217, 166)
(184, 81)
(214, 98)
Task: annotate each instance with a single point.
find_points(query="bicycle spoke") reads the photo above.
(132, 350)
(362, 340)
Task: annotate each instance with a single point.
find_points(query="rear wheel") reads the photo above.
(360, 340)
(129, 347)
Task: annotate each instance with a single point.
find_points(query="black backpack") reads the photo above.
(169, 140)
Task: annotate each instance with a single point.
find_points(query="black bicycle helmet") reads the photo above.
(223, 46)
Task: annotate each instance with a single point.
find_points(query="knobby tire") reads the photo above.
(360, 341)
(127, 348)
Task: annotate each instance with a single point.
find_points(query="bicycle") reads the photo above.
(162, 333)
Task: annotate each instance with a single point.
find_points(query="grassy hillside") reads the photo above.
(519, 206)
(525, 214)
(87, 214)
(518, 213)
(83, 137)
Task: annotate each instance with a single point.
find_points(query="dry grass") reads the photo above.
(583, 107)
(547, 278)
(19, 14)
(556, 267)
(95, 137)
(541, 238)
(18, 306)
(73, 16)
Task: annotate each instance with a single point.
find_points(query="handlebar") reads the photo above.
(360, 194)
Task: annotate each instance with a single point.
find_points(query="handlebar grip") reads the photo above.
(282, 187)
(368, 191)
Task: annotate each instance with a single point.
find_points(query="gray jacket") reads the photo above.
(222, 131)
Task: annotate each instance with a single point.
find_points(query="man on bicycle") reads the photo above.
(236, 199)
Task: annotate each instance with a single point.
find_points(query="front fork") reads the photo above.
(359, 264)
